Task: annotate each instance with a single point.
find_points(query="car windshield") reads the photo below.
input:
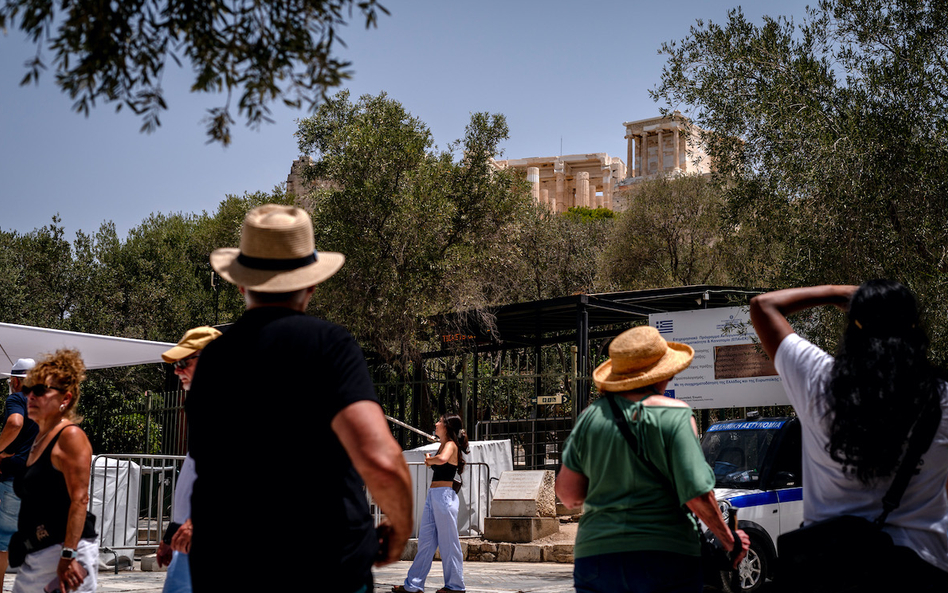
(735, 451)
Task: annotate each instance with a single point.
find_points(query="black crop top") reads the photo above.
(444, 472)
(44, 509)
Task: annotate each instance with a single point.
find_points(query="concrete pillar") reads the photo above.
(533, 176)
(545, 198)
(582, 189)
(677, 160)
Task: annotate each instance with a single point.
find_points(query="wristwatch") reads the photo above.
(70, 553)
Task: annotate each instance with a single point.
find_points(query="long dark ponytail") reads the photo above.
(456, 433)
(880, 381)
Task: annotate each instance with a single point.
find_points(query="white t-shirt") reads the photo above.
(182, 491)
(921, 521)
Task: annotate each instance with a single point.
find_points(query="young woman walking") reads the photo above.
(439, 522)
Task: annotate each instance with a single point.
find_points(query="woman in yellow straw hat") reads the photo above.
(634, 534)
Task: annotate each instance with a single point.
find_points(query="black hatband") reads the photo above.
(260, 263)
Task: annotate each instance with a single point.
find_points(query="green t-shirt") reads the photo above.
(627, 508)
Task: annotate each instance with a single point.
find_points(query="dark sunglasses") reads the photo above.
(183, 363)
(39, 390)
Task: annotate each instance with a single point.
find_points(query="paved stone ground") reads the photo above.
(480, 577)
(488, 577)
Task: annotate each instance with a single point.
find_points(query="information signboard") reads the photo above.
(729, 369)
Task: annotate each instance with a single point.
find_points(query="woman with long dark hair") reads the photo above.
(439, 522)
(857, 411)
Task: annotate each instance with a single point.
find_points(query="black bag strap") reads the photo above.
(920, 439)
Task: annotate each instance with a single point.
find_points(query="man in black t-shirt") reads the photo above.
(17, 435)
(285, 426)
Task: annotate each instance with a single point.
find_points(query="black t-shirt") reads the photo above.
(12, 467)
(273, 478)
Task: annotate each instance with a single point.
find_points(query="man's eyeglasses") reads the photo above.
(39, 390)
(183, 363)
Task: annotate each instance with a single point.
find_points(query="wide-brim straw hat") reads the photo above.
(193, 340)
(277, 252)
(639, 357)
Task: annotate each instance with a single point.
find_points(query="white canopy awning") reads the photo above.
(98, 352)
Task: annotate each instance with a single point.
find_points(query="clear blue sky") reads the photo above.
(557, 70)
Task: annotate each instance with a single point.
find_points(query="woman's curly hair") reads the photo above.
(880, 381)
(67, 371)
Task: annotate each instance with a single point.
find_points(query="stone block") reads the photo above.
(564, 511)
(505, 552)
(411, 548)
(562, 553)
(525, 494)
(519, 529)
(527, 554)
(150, 564)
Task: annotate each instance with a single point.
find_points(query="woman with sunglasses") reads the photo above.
(54, 489)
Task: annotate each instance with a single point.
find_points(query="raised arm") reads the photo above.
(769, 311)
(364, 433)
(448, 451)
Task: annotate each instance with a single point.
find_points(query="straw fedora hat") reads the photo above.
(277, 252)
(639, 357)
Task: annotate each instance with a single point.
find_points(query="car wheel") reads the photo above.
(752, 570)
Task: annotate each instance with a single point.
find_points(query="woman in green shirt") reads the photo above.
(634, 534)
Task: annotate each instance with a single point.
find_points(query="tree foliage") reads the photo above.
(420, 229)
(586, 214)
(261, 51)
(833, 130)
(561, 255)
(152, 285)
(671, 234)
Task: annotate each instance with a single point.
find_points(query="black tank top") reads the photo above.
(44, 507)
(444, 472)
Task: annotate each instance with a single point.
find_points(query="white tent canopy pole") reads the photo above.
(430, 437)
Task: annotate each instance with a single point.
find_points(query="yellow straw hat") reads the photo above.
(639, 357)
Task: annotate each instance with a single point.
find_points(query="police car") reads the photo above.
(758, 470)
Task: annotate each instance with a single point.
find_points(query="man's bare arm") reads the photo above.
(364, 433)
(10, 431)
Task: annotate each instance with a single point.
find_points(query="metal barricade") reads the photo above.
(474, 500)
(132, 497)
